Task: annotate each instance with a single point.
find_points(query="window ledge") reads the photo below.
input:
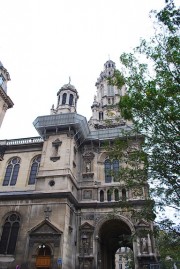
(6, 258)
(87, 174)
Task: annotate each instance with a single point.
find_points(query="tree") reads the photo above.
(169, 248)
(151, 74)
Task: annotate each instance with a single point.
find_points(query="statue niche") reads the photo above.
(88, 165)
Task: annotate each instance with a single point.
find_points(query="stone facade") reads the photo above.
(5, 101)
(58, 208)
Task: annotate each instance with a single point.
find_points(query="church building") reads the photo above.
(59, 202)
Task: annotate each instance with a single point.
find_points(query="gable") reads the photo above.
(86, 227)
(45, 227)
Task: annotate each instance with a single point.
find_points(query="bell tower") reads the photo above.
(105, 106)
(5, 101)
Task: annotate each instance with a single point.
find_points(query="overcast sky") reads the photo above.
(43, 42)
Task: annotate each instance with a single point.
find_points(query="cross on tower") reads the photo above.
(47, 212)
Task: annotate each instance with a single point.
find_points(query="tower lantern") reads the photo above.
(67, 98)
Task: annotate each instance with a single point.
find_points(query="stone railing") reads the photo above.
(21, 141)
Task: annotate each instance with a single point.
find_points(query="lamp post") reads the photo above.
(84, 244)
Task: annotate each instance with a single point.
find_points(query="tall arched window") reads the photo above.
(71, 99)
(107, 170)
(110, 90)
(115, 165)
(9, 234)
(111, 170)
(12, 171)
(34, 170)
(64, 98)
(101, 196)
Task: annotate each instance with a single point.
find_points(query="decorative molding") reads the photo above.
(87, 194)
(55, 144)
(88, 175)
(2, 151)
(6, 98)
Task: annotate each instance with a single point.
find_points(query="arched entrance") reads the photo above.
(43, 260)
(113, 234)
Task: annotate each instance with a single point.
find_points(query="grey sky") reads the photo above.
(43, 42)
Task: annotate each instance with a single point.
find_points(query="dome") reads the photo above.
(66, 87)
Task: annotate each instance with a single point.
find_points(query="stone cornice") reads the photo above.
(25, 195)
(6, 98)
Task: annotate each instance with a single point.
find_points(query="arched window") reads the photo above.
(101, 115)
(111, 170)
(34, 170)
(64, 98)
(12, 171)
(109, 195)
(71, 99)
(123, 194)
(110, 90)
(115, 165)
(107, 170)
(101, 196)
(116, 194)
(9, 234)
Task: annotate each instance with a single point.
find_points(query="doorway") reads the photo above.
(43, 260)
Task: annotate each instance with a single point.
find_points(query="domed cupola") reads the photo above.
(67, 98)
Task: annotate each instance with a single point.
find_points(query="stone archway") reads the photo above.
(112, 234)
(44, 245)
(43, 259)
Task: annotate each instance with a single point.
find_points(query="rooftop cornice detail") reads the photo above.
(5, 71)
(6, 98)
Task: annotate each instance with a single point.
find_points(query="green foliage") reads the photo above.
(152, 103)
(169, 248)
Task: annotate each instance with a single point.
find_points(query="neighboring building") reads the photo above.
(5, 101)
(57, 197)
(123, 258)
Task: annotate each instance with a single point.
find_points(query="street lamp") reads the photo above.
(84, 239)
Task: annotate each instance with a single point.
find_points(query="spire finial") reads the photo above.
(109, 56)
(69, 80)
